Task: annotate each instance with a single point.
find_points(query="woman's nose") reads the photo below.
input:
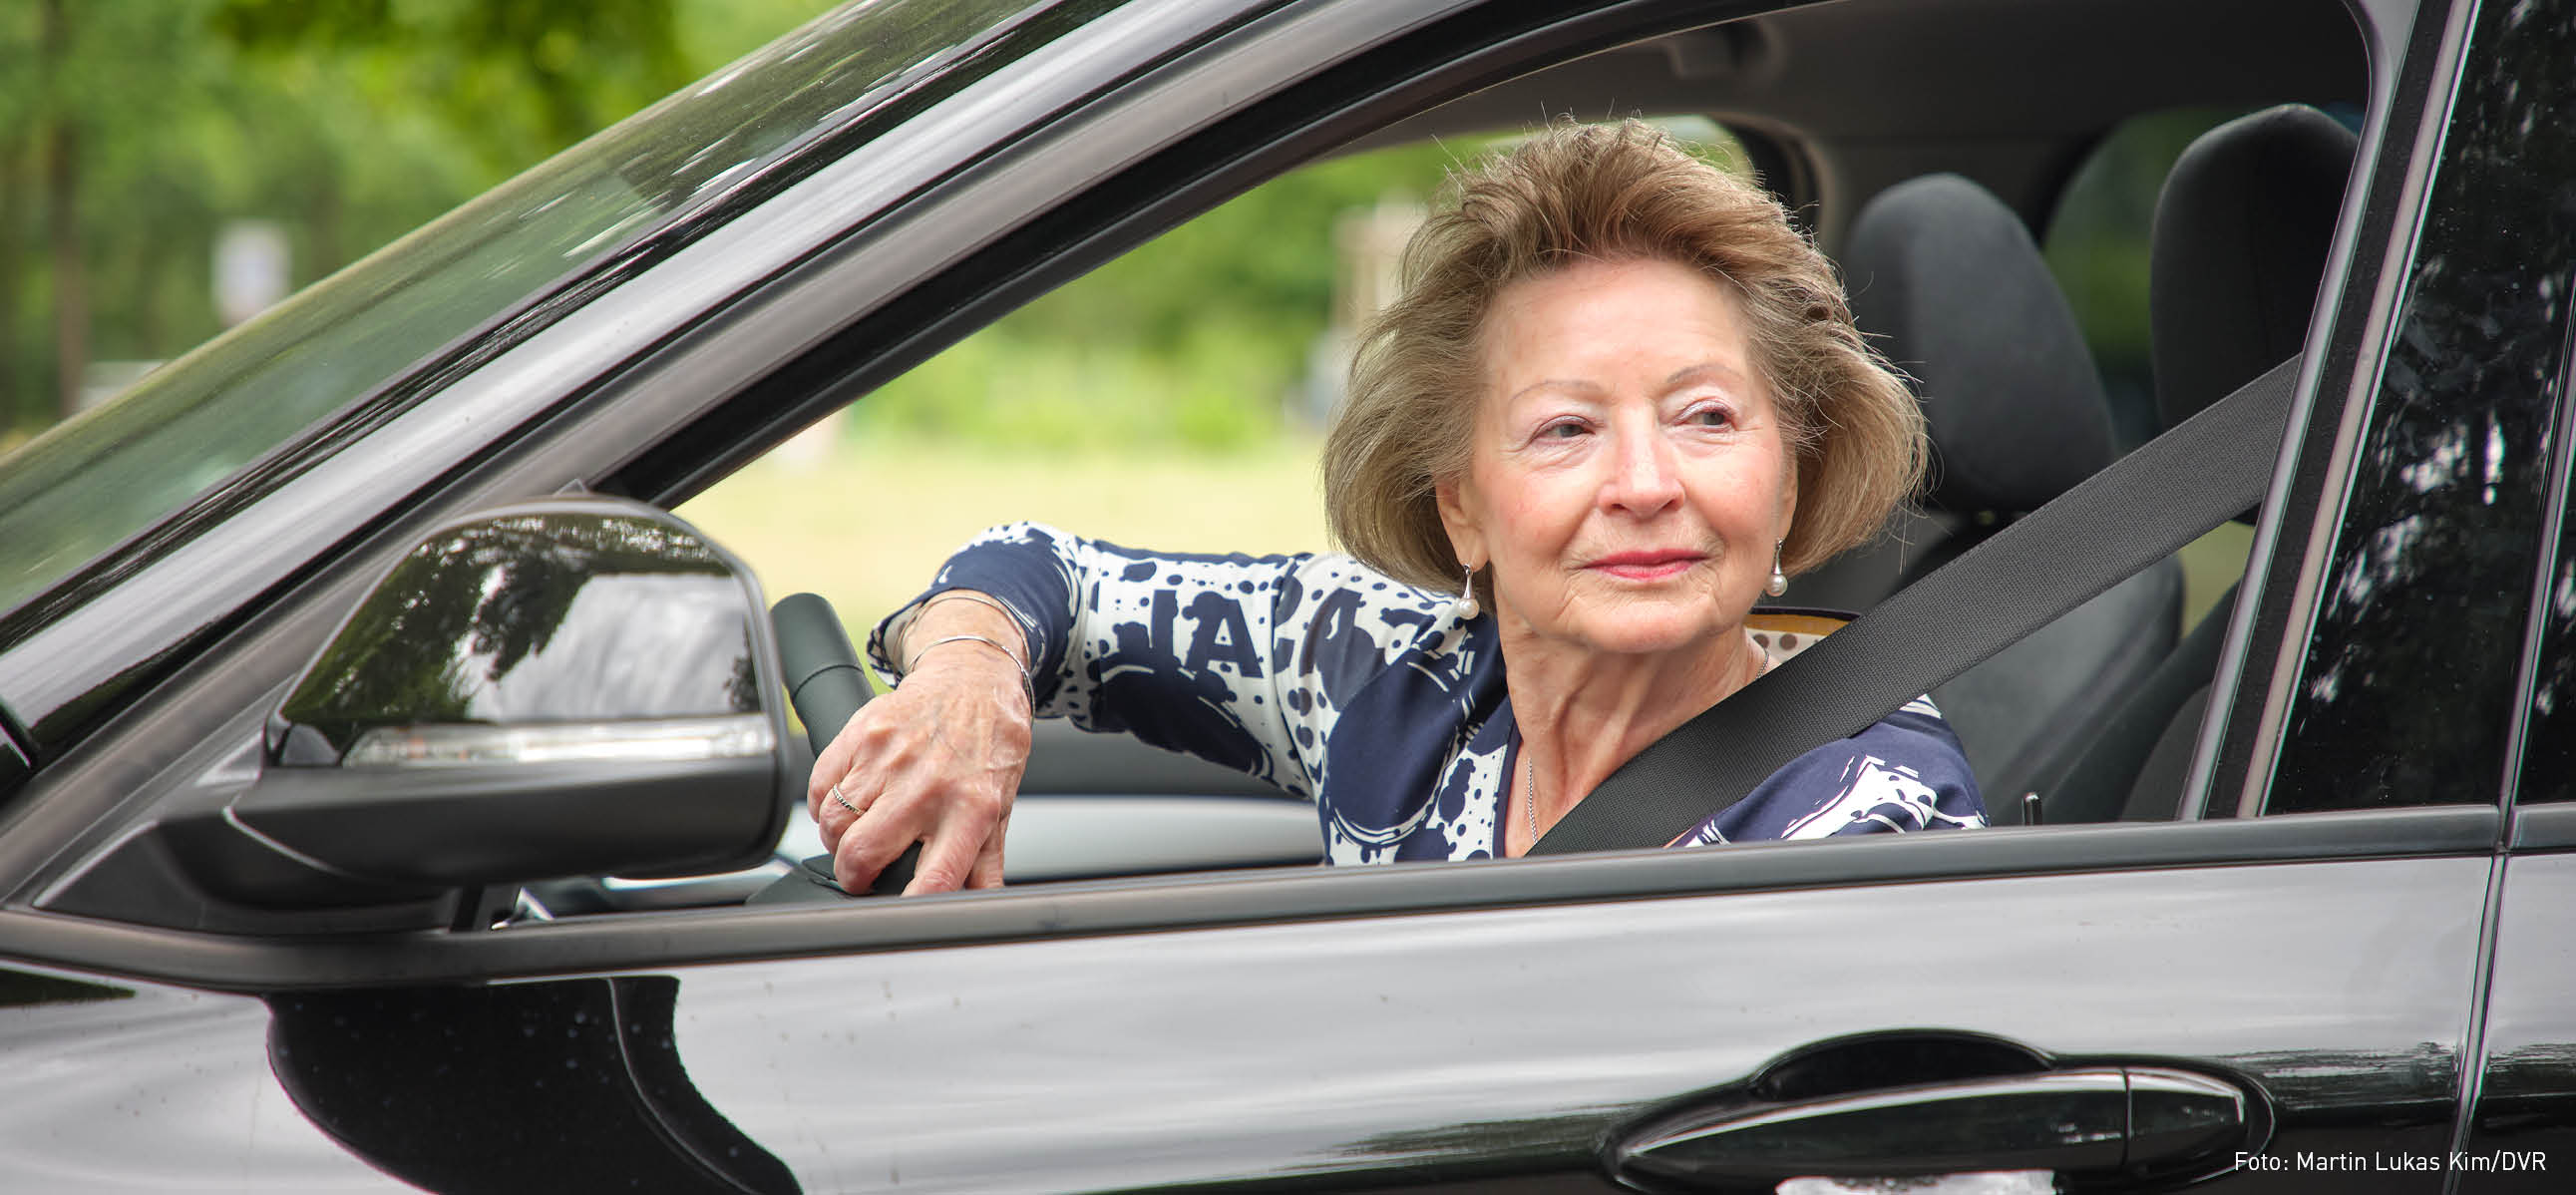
(1643, 479)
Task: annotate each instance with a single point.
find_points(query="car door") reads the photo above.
(2294, 982)
(2521, 1135)
(2313, 943)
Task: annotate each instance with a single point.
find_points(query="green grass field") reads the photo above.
(865, 524)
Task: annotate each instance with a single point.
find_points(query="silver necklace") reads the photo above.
(1529, 762)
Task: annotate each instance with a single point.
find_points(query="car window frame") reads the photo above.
(2358, 305)
(2265, 740)
(710, 358)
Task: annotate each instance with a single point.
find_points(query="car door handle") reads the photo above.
(2100, 1120)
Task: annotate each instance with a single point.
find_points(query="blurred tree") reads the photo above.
(1207, 337)
(1193, 339)
(77, 117)
(62, 206)
(133, 131)
(519, 78)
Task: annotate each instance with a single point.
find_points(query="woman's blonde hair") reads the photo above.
(1608, 192)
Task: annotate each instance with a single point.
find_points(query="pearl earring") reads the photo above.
(1779, 580)
(1467, 607)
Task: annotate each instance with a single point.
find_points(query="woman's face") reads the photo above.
(1628, 474)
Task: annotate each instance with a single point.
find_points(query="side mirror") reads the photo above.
(576, 685)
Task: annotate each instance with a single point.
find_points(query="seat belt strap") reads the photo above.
(2141, 509)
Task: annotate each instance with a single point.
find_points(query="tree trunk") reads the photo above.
(149, 266)
(63, 222)
(327, 225)
(71, 280)
(14, 412)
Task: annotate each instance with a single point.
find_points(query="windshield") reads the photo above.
(200, 424)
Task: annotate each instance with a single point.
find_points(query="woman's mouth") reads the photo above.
(1646, 565)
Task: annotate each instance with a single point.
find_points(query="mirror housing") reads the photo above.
(575, 685)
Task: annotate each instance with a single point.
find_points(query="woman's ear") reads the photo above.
(1466, 537)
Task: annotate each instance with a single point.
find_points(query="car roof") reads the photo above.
(2007, 92)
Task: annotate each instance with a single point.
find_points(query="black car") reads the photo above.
(285, 909)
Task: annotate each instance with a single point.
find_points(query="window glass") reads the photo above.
(2408, 687)
(2097, 247)
(2548, 737)
(2549, 731)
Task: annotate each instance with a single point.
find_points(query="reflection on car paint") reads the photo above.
(1138, 1060)
(137, 1087)
(2526, 1099)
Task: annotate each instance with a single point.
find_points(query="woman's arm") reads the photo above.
(1240, 660)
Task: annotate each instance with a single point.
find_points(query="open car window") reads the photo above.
(1171, 372)
(1173, 399)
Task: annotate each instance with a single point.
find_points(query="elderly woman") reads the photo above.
(1619, 400)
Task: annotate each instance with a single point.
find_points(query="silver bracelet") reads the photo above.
(984, 600)
(1028, 666)
(1028, 680)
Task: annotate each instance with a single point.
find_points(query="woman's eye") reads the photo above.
(1562, 429)
(1710, 416)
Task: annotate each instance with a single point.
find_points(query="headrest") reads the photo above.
(1947, 281)
(2242, 228)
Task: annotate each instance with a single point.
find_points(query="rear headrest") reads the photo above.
(1947, 281)
(2242, 228)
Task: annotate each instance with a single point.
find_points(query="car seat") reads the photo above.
(2242, 228)
(1949, 282)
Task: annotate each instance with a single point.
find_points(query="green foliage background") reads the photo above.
(346, 122)
(1197, 341)
(1190, 341)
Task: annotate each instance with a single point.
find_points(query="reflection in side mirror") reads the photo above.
(570, 686)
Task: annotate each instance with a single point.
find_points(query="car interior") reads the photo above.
(1932, 150)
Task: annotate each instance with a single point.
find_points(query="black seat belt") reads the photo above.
(2141, 509)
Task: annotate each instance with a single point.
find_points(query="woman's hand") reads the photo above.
(937, 762)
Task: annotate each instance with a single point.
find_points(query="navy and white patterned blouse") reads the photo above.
(1329, 680)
